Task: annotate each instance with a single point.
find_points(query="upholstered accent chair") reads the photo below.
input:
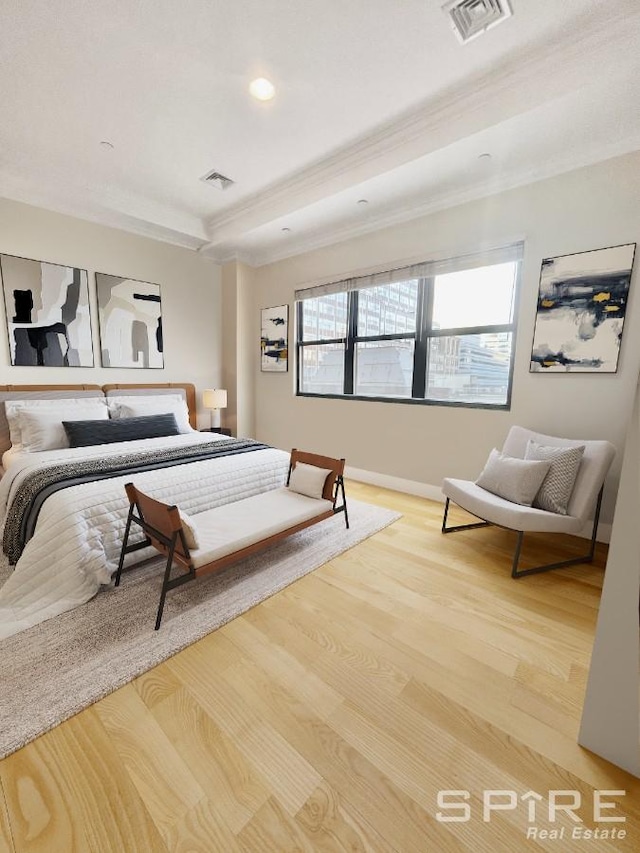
(584, 497)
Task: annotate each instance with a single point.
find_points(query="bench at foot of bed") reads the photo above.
(207, 541)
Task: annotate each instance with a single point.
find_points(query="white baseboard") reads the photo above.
(396, 484)
(434, 493)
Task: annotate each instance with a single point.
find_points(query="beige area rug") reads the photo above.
(53, 670)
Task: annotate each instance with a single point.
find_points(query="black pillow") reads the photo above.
(85, 433)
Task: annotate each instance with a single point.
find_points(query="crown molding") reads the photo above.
(182, 229)
(228, 256)
(538, 74)
(229, 253)
(417, 209)
(544, 71)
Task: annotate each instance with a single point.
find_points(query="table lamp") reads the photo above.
(214, 399)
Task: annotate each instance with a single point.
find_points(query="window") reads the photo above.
(321, 351)
(440, 333)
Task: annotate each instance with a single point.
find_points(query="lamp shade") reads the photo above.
(214, 398)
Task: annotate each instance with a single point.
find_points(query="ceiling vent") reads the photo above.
(215, 179)
(471, 18)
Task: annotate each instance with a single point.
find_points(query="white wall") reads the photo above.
(611, 715)
(238, 333)
(247, 328)
(587, 209)
(190, 289)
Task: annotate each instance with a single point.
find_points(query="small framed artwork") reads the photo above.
(274, 339)
(130, 320)
(582, 301)
(47, 308)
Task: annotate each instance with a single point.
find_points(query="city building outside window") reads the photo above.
(438, 333)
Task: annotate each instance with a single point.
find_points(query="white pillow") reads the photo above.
(42, 429)
(125, 399)
(13, 408)
(515, 480)
(308, 480)
(13, 420)
(149, 401)
(133, 407)
(190, 530)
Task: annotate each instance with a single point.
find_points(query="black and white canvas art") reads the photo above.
(47, 308)
(274, 337)
(582, 303)
(130, 315)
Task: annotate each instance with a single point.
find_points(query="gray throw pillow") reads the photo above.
(557, 486)
(516, 480)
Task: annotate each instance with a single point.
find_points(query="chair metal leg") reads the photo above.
(516, 556)
(515, 573)
(472, 526)
(588, 558)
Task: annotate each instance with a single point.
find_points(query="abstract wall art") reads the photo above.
(130, 318)
(582, 302)
(274, 338)
(47, 308)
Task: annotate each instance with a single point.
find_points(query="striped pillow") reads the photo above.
(555, 492)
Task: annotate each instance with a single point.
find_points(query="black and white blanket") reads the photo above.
(67, 518)
(40, 484)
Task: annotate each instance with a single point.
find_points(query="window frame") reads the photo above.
(423, 335)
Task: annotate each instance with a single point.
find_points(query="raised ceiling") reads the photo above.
(375, 99)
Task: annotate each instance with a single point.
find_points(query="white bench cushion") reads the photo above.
(231, 527)
(492, 508)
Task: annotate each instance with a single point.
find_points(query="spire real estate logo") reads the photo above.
(556, 815)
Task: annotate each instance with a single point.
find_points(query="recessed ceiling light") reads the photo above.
(363, 201)
(262, 89)
(484, 157)
(286, 229)
(106, 144)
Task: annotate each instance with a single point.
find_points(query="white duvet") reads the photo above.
(78, 536)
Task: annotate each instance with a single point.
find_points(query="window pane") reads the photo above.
(322, 369)
(324, 317)
(469, 368)
(477, 297)
(388, 310)
(384, 368)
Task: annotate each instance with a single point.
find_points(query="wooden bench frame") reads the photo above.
(163, 529)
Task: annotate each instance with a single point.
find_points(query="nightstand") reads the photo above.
(220, 430)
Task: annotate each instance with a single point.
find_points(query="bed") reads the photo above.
(64, 509)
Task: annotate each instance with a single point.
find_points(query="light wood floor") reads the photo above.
(329, 717)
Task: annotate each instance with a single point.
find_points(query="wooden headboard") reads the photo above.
(20, 388)
(8, 392)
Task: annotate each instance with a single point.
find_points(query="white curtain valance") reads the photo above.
(426, 269)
